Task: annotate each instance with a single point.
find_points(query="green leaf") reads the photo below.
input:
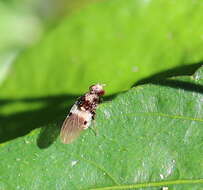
(114, 42)
(150, 136)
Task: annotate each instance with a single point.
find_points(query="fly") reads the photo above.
(81, 114)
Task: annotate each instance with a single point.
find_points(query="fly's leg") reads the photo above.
(93, 127)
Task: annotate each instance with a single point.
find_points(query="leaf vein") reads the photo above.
(168, 115)
(102, 169)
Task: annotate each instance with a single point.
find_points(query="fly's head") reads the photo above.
(97, 89)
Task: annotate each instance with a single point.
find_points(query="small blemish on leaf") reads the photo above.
(161, 176)
(26, 141)
(107, 114)
(74, 162)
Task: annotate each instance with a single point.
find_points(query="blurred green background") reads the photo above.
(52, 51)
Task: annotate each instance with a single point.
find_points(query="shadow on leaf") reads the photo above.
(164, 80)
(48, 135)
(53, 110)
(49, 117)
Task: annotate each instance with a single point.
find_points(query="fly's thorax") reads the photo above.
(88, 102)
(92, 98)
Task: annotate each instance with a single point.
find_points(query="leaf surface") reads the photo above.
(150, 134)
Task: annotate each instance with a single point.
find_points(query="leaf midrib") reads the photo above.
(152, 184)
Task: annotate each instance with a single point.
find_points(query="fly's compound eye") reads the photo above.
(97, 89)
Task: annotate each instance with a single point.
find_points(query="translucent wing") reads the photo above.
(71, 128)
